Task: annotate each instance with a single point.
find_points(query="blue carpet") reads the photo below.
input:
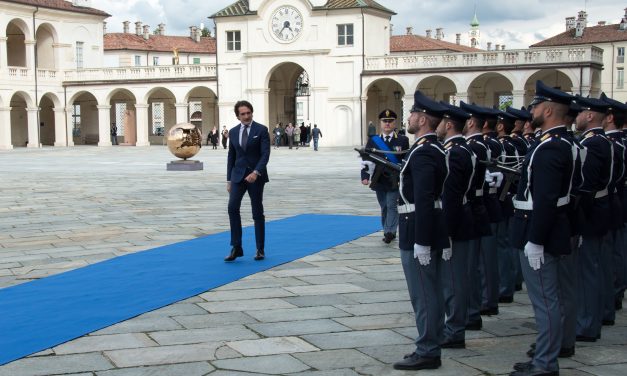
(44, 313)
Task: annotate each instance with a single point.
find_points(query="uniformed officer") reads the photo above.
(540, 225)
(489, 261)
(382, 180)
(594, 208)
(518, 139)
(422, 232)
(529, 133)
(615, 119)
(482, 221)
(459, 219)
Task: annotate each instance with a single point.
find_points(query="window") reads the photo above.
(196, 60)
(76, 120)
(155, 60)
(620, 78)
(233, 41)
(345, 35)
(138, 60)
(299, 109)
(79, 55)
(620, 55)
(157, 119)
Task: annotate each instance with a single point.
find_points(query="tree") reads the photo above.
(205, 32)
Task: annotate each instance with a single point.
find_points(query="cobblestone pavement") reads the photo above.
(343, 311)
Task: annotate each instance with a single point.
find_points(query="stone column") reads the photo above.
(30, 54)
(141, 116)
(3, 54)
(70, 126)
(519, 99)
(104, 128)
(5, 128)
(182, 110)
(33, 127)
(408, 103)
(60, 135)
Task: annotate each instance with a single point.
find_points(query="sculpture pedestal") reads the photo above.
(184, 165)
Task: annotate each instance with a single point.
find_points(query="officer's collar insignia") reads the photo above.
(514, 135)
(422, 141)
(448, 145)
(545, 137)
(590, 134)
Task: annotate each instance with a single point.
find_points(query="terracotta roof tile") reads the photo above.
(160, 43)
(61, 5)
(591, 35)
(411, 43)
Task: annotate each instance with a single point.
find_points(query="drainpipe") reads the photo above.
(215, 27)
(35, 63)
(613, 62)
(67, 138)
(361, 76)
(580, 79)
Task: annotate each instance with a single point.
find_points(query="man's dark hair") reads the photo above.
(619, 118)
(242, 104)
(458, 125)
(508, 125)
(491, 123)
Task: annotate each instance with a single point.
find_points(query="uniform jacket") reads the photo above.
(240, 162)
(618, 179)
(509, 158)
(384, 179)
(476, 195)
(423, 176)
(546, 177)
(457, 211)
(490, 199)
(520, 143)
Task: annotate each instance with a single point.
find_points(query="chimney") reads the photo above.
(192, 31)
(138, 28)
(623, 22)
(198, 35)
(104, 27)
(502, 47)
(497, 47)
(601, 23)
(428, 33)
(570, 23)
(146, 32)
(126, 26)
(458, 39)
(410, 30)
(439, 33)
(489, 46)
(161, 29)
(582, 22)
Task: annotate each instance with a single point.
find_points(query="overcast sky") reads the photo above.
(517, 24)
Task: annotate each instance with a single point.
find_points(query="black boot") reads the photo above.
(236, 251)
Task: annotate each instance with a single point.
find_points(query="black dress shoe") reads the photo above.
(260, 255)
(533, 371)
(236, 252)
(489, 311)
(448, 344)
(416, 362)
(388, 237)
(586, 339)
(565, 352)
(506, 299)
(608, 322)
(474, 325)
(524, 366)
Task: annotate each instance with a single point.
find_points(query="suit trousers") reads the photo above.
(255, 192)
(507, 260)
(567, 270)
(490, 269)
(543, 290)
(388, 201)
(474, 281)
(455, 291)
(425, 292)
(589, 280)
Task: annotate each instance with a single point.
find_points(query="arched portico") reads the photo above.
(551, 77)
(161, 113)
(439, 88)
(83, 120)
(491, 89)
(201, 100)
(46, 38)
(17, 33)
(124, 113)
(49, 106)
(23, 120)
(381, 94)
(282, 82)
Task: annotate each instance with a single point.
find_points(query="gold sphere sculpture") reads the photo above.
(184, 140)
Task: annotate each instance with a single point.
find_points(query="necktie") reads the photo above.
(245, 137)
(387, 139)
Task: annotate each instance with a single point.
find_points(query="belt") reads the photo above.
(601, 194)
(410, 208)
(479, 193)
(492, 191)
(528, 204)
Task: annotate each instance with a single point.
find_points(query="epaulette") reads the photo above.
(448, 145)
(589, 135)
(546, 136)
(422, 141)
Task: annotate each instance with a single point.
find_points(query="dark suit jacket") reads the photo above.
(459, 218)
(240, 162)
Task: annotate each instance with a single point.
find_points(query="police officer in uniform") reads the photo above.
(521, 118)
(422, 232)
(382, 180)
(459, 219)
(540, 225)
(594, 207)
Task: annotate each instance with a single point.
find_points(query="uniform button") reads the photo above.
(525, 215)
(406, 217)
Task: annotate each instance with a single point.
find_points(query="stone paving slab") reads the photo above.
(50, 365)
(186, 369)
(272, 364)
(271, 346)
(292, 328)
(334, 359)
(90, 344)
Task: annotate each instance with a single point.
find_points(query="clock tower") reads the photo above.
(475, 34)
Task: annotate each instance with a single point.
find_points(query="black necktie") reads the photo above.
(387, 139)
(245, 137)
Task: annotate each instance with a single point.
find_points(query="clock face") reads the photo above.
(286, 23)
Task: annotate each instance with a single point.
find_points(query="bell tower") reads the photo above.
(474, 35)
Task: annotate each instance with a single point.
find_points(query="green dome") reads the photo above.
(475, 21)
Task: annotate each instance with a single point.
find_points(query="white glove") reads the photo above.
(369, 166)
(579, 242)
(535, 255)
(423, 254)
(447, 253)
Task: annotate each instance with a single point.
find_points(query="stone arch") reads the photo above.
(490, 88)
(19, 102)
(552, 77)
(83, 118)
(595, 84)
(124, 114)
(46, 38)
(381, 94)
(282, 82)
(438, 87)
(17, 32)
(161, 113)
(205, 100)
(47, 122)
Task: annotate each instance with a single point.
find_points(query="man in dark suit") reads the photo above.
(249, 152)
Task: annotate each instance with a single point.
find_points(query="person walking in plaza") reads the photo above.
(289, 134)
(249, 153)
(214, 138)
(422, 232)
(303, 134)
(541, 227)
(277, 135)
(225, 136)
(297, 137)
(316, 133)
(114, 134)
(383, 180)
